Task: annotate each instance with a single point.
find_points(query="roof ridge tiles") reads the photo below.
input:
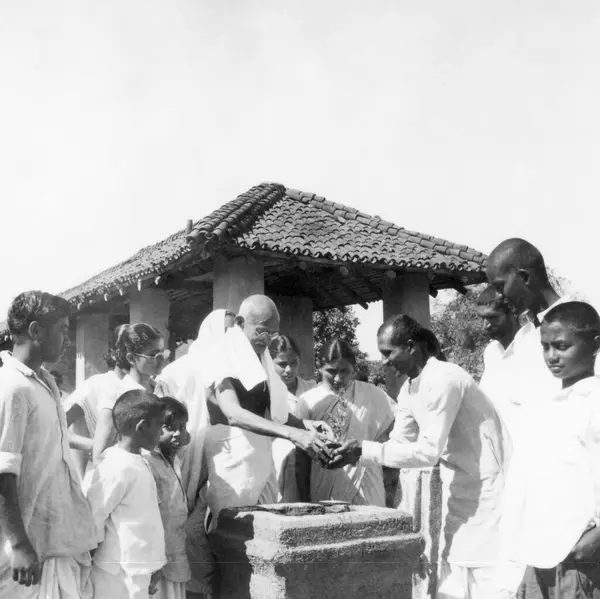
(293, 222)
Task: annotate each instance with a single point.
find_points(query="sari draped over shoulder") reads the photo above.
(363, 412)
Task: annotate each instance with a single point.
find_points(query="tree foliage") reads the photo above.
(461, 333)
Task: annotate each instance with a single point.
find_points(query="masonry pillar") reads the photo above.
(151, 306)
(296, 321)
(405, 294)
(91, 344)
(235, 279)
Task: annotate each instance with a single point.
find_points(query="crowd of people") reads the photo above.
(112, 492)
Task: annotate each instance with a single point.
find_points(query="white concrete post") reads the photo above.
(91, 344)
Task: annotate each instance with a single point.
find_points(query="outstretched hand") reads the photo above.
(312, 442)
(348, 452)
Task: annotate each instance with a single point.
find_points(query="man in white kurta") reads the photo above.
(442, 415)
(56, 517)
(553, 487)
(501, 325)
(517, 270)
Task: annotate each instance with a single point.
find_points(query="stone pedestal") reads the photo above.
(312, 551)
(236, 279)
(91, 344)
(151, 306)
(296, 322)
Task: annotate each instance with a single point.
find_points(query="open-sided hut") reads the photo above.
(304, 251)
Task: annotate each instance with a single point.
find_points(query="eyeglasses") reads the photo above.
(264, 334)
(163, 355)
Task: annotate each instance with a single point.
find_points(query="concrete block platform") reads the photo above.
(308, 551)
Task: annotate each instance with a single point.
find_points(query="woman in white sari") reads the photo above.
(190, 380)
(353, 409)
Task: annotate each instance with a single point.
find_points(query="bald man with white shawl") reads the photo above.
(248, 410)
(189, 379)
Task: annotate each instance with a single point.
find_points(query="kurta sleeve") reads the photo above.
(419, 444)
(387, 412)
(105, 493)
(14, 411)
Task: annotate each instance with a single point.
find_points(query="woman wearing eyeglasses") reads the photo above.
(140, 351)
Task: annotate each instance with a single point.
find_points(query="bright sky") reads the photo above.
(470, 120)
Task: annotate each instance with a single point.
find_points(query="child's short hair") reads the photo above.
(35, 306)
(133, 406)
(579, 315)
(174, 410)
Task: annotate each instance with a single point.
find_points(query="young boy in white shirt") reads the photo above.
(551, 511)
(124, 503)
(172, 501)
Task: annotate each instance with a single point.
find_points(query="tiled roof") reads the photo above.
(308, 225)
(272, 218)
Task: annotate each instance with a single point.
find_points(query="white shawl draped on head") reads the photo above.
(189, 379)
(238, 360)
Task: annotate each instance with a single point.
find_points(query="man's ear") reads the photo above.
(411, 345)
(525, 276)
(141, 425)
(35, 330)
(596, 344)
(239, 320)
(130, 358)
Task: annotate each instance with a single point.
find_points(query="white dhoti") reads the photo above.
(62, 578)
(119, 586)
(496, 582)
(240, 469)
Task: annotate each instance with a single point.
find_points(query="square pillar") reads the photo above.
(408, 294)
(236, 279)
(151, 306)
(296, 322)
(91, 344)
